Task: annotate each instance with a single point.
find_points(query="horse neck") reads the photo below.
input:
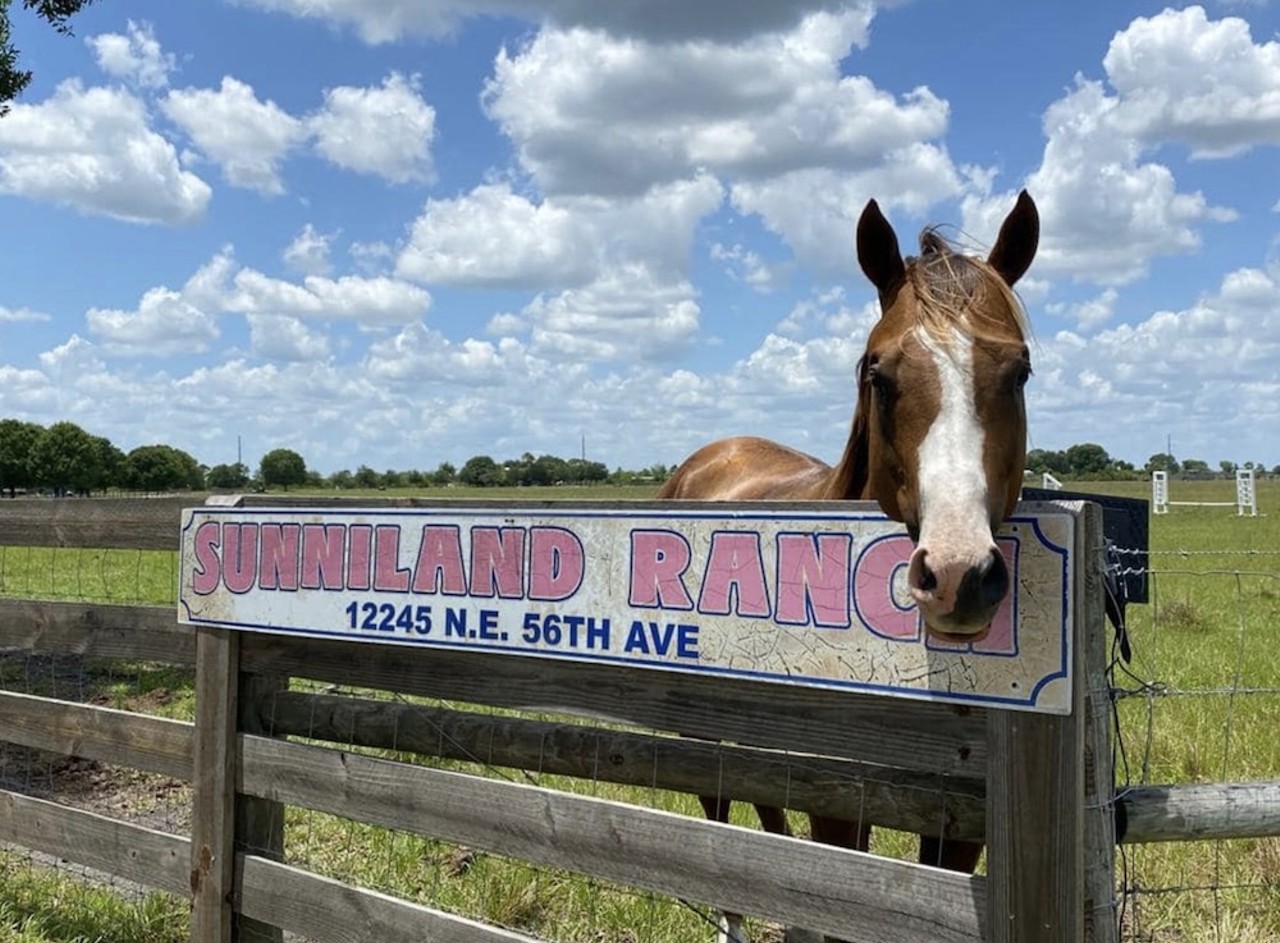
(849, 479)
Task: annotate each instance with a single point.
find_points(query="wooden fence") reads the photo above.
(1038, 789)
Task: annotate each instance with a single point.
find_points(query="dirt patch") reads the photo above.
(140, 798)
(147, 799)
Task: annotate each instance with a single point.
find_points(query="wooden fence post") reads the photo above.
(231, 823)
(1036, 800)
(1100, 923)
(259, 822)
(213, 785)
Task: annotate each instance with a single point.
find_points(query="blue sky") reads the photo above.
(404, 232)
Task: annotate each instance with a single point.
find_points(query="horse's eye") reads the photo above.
(1023, 375)
(879, 380)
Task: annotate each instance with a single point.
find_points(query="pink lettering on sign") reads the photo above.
(240, 557)
(659, 560)
(388, 575)
(557, 563)
(439, 566)
(873, 598)
(735, 573)
(207, 573)
(279, 567)
(359, 555)
(322, 551)
(497, 562)
(813, 580)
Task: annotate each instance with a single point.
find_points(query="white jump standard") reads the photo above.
(1246, 502)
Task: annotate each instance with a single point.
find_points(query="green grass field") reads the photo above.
(1201, 704)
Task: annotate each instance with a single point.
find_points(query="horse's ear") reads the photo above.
(1016, 245)
(878, 252)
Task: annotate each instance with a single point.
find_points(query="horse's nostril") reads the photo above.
(928, 580)
(995, 579)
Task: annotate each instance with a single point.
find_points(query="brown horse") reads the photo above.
(938, 440)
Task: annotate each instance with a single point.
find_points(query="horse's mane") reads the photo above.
(952, 289)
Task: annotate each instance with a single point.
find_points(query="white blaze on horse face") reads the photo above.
(955, 529)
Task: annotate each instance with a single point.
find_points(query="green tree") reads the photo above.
(480, 471)
(445, 474)
(1087, 458)
(228, 477)
(366, 477)
(1042, 460)
(1162, 461)
(579, 471)
(1195, 466)
(57, 13)
(1228, 467)
(283, 467)
(162, 468)
(113, 464)
(65, 457)
(342, 480)
(17, 439)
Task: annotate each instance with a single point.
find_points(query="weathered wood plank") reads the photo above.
(327, 911)
(1100, 912)
(96, 630)
(876, 795)
(848, 894)
(906, 734)
(142, 855)
(1035, 832)
(259, 822)
(1200, 812)
(153, 744)
(213, 796)
(103, 523)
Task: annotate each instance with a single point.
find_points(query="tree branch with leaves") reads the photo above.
(57, 13)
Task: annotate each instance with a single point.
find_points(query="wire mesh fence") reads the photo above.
(42, 896)
(1200, 703)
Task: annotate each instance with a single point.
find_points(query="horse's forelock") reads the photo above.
(953, 290)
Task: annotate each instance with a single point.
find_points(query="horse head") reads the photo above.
(940, 421)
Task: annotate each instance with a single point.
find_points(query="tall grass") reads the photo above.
(45, 905)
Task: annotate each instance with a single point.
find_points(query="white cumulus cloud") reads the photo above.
(164, 323)
(246, 137)
(309, 251)
(94, 150)
(135, 56)
(385, 131)
(284, 338)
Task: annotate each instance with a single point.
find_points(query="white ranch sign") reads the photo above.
(814, 597)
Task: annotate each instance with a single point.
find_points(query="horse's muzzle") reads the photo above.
(959, 598)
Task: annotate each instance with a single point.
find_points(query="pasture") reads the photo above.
(1199, 705)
